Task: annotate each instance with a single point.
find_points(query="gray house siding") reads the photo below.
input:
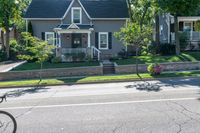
(109, 26)
(67, 19)
(40, 26)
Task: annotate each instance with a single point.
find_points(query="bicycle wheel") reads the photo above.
(8, 123)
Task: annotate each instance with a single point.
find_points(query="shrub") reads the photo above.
(15, 49)
(123, 54)
(152, 48)
(167, 49)
(154, 69)
(81, 56)
(2, 55)
(56, 60)
(183, 37)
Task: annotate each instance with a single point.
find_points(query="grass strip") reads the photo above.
(96, 79)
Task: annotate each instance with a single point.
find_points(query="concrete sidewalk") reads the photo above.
(9, 66)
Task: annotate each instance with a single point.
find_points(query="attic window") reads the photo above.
(76, 15)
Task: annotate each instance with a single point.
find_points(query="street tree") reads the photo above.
(179, 8)
(35, 50)
(138, 32)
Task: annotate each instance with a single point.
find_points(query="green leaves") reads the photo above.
(179, 7)
(134, 35)
(34, 48)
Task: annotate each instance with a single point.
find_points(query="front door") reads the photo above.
(76, 41)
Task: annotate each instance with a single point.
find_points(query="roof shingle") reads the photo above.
(95, 8)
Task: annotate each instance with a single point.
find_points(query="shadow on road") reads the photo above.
(21, 92)
(180, 82)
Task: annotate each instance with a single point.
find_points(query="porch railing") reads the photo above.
(92, 52)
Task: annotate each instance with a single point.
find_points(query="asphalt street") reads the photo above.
(108, 108)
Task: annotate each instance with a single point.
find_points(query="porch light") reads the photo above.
(68, 37)
(83, 36)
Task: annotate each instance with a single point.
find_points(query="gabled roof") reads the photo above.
(47, 8)
(55, 9)
(106, 8)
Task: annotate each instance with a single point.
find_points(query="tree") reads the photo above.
(133, 35)
(139, 30)
(36, 49)
(11, 14)
(8, 12)
(179, 8)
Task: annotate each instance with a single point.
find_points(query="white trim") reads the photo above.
(26, 25)
(73, 31)
(72, 14)
(89, 40)
(84, 9)
(109, 18)
(42, 18)
(103, 33)
(68, 9)
(197, 18)
(194, 18)
(73, 26)
(50, 33)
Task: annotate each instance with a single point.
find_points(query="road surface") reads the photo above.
(108, 108)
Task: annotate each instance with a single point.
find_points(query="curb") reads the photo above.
(97, 82)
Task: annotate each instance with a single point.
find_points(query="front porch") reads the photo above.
(74, 43)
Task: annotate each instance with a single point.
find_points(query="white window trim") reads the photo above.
(72, 14)
(50, 33)
(103, 33)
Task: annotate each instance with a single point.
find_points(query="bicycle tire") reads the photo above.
(12, 118)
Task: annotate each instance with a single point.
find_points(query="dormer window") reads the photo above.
(76, 15)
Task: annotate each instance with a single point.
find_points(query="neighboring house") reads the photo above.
(186, 24)
(3, 36)
(79, 25)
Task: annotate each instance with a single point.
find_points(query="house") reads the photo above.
(186, 25)
(79, 26)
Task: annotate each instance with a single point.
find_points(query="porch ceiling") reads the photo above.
(194, 18)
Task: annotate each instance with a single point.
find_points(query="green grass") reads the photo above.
(47, 65)
(187, 56)
(94, 79)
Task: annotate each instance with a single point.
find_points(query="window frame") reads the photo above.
(72, 14)
(103, 33)
(50, 33)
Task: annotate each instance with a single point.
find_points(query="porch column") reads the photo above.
(89, 40)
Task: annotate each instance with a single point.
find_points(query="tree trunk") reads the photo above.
(136, 62)
(176, 28)
(7, 42)
(41, 67)
(157, 32)
(2, 40)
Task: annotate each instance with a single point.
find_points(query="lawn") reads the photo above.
(187, 56)
(96, 79)
(47, 65)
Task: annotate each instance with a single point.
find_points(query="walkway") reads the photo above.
(5, 67)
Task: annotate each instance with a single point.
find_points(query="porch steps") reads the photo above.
(108, 67)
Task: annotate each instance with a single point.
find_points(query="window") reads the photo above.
(49, 37)
(187, 26)
(103, 40)
(76, 15)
